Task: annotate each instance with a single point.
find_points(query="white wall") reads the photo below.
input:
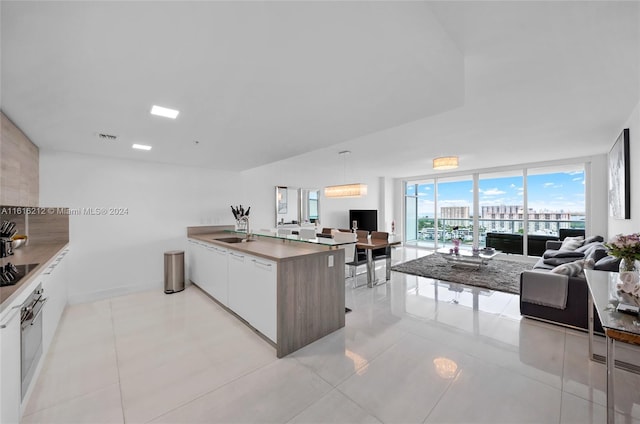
(259, 192)
(627, 226)
(597, 198)
(113, 255)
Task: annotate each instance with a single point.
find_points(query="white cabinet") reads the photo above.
(54, 282)
(253, 291)
(218, 277)
(238, 284)
(10, 366)
(195, 251)
(244, 283)
(208, 268)
(262, 284)
(204, 269)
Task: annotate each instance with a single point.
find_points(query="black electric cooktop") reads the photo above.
(12, 274)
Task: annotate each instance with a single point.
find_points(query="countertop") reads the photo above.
(269, 248)
(41, 254)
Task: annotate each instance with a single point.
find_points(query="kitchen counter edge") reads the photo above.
(273, 249)
(44, 255)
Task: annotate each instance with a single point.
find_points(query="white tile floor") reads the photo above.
(412, 351)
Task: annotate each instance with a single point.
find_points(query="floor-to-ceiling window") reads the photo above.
(420, 213)
(454, 208)
(411, 212)
(536, 201)
(501, 202)
(556, 199)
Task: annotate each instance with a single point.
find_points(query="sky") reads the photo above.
(560, 191)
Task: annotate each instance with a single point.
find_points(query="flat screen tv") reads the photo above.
(366, 219)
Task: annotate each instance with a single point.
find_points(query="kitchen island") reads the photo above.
(292, 293)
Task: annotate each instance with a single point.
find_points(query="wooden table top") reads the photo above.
(364, 243)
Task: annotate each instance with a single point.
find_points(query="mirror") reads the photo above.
(309, 205)
(297, 206)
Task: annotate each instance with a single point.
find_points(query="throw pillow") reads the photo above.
(597, 253)
(571, 269)
(562, 254)
(559, 261)
(608, 263)
(592, 239)
(587, 246)
(572, 243)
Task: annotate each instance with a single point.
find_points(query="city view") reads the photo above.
(555, 200)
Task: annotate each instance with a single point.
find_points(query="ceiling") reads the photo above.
(397, 83)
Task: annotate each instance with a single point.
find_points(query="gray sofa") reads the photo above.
(558, 298)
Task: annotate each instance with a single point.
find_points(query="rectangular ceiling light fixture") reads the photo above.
(141, 147)
(346, 190)
(163, 111)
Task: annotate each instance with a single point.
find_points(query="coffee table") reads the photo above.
(467, 257)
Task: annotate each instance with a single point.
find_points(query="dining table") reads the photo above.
(369, 245)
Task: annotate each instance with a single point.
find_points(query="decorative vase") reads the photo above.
(628, 265)
(629, 275)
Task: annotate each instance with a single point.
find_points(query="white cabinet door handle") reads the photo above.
(257, 262)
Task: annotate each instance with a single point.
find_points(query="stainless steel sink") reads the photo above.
(233, 240)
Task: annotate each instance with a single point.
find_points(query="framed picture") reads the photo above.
(619, 178)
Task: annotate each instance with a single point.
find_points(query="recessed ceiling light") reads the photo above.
(163, 111)
(141, 147)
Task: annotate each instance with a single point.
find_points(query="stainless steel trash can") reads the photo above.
(173, 271)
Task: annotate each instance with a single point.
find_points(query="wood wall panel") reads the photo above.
(19, 166)
(311, 299)
(41, 225)
(51, 225)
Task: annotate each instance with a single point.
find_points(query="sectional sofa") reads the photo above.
(555, 290)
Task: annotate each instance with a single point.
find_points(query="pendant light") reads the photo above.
(346, 190)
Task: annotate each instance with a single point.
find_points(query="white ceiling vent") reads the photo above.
(107, 137)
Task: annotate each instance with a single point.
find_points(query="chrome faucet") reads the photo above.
(245, 219)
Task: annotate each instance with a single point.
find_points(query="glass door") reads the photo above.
(411, 213)
(501, 201)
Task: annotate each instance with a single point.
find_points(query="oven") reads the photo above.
(31, 335)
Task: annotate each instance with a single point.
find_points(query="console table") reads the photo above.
(617, 327)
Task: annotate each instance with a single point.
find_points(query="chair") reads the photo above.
(359, 256)
(326, 230)
(383, 253)
(284, 231)
(380, 253)
(362, 234)
(349, 249)
(307, 233)
(341, 237)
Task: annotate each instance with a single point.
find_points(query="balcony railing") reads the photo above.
(446, 230)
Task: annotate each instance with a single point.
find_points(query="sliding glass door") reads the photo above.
(556, 199)
(411, 212)
(519, 208)
(454, 211)
(501, 201)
